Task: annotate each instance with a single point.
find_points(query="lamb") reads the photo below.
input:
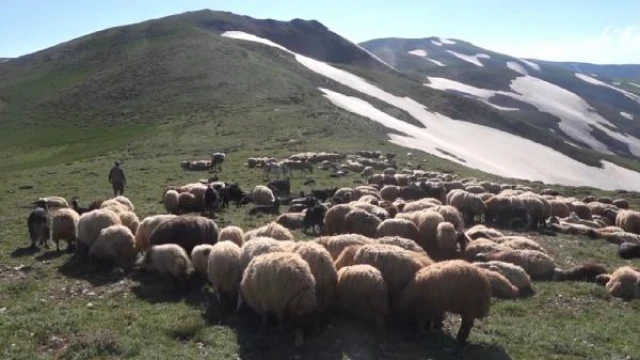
(336, 244)
(501, 287)
(624, 283)
(447, 240)
(186, 231)
(171, 201)
(63, 227)
(427, 228)
(291, 220)
(115, 244)
(232, 233)
(629, 221)
(537, 264)
(282, 284)
(514, 273)
(358, 221)
(323, 270)
(224, 271)
(89, 226)
(272, 230)
(450, 286)
(38, 224)
(398, 227)
(262, 195)
(147, 226)
(361, 290)
(200, 259)
(169, 259)
(130, 220)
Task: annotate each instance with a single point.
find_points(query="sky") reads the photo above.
(597, 31)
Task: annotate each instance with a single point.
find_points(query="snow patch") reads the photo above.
(437, 43)
(634, 84)
(436, 62)
(531, 64)
(474, 59)
(480, 94)
(626, 115)
(447, 41)
(478, 146)
(593, 81)
(517, 67)
(418, 52)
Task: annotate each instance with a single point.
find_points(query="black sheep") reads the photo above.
(314, 218)
(266, 209)
(280, 187)
(38, 224)
(629, 250)
(211, 200)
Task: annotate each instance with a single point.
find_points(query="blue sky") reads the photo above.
(600, 31)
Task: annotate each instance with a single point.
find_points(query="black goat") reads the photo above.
(211, 200)
(324, 194)
(38, 224)
(266, 209)
(75, 205)
(314, 219)
(280, 187)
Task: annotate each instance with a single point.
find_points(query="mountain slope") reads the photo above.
(611, 71)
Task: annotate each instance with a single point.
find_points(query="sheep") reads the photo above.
(186, 203)
(146, 227)
(537, 264)
(584, 272)
(130, 220)
(605, 200)
(171, 260)
(501, 287)
(262, 195)
(480, 246)
(621, 203)
(481, 231)
(234, 234)
(514, 273)
(75, 204)
(224, 271)
(559, 209)
(125, 201)
(258, 246)
(281, 284)
(520, 243)
(361, 290)
(38, 224)
(452, 215)
(200, 258)
(628, 250)
(536, 208)
(582, 210)
(334, 219)
(314, 218)
(629, 221)
(422, 204)
(359, 221)
(54, 202)
(624, 283)
(64, 224)
(390, 192)
(379, 212)
(446, 238)
(114, 205)
(398, 227)
(323, 270)
(470, 205)
(273, 208)
(171, 201)
(452, 286)
(115, 244)
(89, 226)
(336, 244)
(402, 242)
(186, 231)
(272, 230)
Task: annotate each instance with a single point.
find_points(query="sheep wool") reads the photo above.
(398, 227)
(404, 243)
(186, 231)
(262, 195)
(452, 215)
(291, 220)
(91, 223)
(481, 231)
(337, 243)
(450, 286)
(282, 284)
(63, 226)
(359, 221)
(361, 291)
(520, 243)
(272, 230)
(428, 228)
(258, 246)
(170, 201)
(501, 287)
(200, 258)
(481, 246)
(537, 264)
(323, 270)
(446, 237)
(629, 221)
(130, 220)
(514, 273)
(390, 193)
(624, 283)
(171, 260)
(223, 269)
(114, 205)
(115, 244)
(334, 219)
(125, 201)
(147, 226)
(234, 234)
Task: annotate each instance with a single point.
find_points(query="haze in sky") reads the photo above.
(597, 31)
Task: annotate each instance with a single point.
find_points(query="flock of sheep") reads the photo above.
(408, 248)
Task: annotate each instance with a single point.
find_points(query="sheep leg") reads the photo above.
(465, 330)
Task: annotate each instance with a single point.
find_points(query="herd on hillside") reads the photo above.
(407, 248)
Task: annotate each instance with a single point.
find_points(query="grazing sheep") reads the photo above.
(114, 205)
(452, 215)
(186, 203)
(115, 244)
(379, 212)
(334, 219)
(422, 204)
(481, 231)
(89, 226)
(447, 239)
(224, 271)
(291, 220)
(559, 209)
(54, 202)
(624, 283)
(200, 258)
(605, 200)
(621, 203)
(258, 246)
(262, 195)
(282, 284)
(323, 270)
(38, 224)
(450, 286)
(130, 220)
(125, 201)
(629, 250)
(64, 224)
(402, 242)
(390, 193)
(583, 272)
(537, 264)
(361, 290)
(501, 287)
(272, 230)
(171, 260)
(186, 231)
(171, 201)
(398, 227)
(337, 243)
(314, 218)
(273, 208)
(582, 210)
(358, 221)
(470, 205)
(629, 221)
(146, 227)
(427, 228)
(514, 273)
(232, 233)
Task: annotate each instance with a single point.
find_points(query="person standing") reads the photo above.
(117, 179)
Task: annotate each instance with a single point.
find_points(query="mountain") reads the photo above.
(611, 71)
(182, 84)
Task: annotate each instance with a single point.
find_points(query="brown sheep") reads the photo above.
(629, 221)
(186, 231)
(398, 227)
(362, 291)
(359, 221)
(337, 243)
(537, 264)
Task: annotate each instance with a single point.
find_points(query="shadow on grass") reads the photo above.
(24, 251)
(98, 274)
(157, 289)
(50, 255)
